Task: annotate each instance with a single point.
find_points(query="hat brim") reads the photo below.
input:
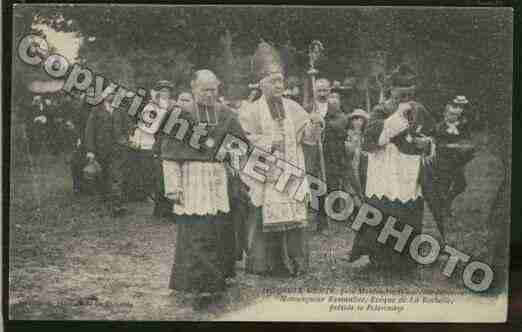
(358, 115)
(460, 102)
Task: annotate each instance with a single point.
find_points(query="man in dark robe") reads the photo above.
(198, 186)
(398, 153)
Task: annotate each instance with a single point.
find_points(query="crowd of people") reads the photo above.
(396, 158)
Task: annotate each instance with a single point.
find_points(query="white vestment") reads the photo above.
(393, 174)
(262, 131)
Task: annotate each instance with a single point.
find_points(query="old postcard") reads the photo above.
(260, 163)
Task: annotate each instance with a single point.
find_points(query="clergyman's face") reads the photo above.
(273, 85)
(206, 91)
(185, 100)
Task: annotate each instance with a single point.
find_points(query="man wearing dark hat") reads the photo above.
(398, 151)
(106, 141)
(277, 227)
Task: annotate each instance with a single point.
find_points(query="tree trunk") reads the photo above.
(500, 213)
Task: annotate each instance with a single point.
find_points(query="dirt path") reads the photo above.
(69, 260)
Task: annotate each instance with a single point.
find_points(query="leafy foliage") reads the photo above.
(455, 51)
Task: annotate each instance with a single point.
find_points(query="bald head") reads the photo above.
(205, 85)
(203, 75)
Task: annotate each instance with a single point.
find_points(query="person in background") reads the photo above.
(185, 100)
(107, 141)
(74, 143)
(68, 134)
(357, 161)
(468, 117)
(352, 97)
(454, 151)
(253, 95)
(339, 177)
(162, 206)
(358, 120)
(37, 125)
(322, 92)
(293, 91)
(56, 109)
(70, 140)
(337, 166)
(312, 153)
(143, 172)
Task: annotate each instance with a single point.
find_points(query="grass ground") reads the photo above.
(70, 260)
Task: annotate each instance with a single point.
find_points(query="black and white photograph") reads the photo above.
(259, 163)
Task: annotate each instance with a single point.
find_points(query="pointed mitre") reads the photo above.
(266, 61)
(404, 76)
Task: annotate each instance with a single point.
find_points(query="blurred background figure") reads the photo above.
(352, 97)
(185, 100)
(37, 124)
(293, 90)
(75, 153)
(358, 121)
(254, 94)
(454, 151)
(140, 182)
(106, 142)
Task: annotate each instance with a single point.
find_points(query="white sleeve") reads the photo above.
(393, 126)
(173, 177)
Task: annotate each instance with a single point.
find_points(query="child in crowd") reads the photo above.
(358, 121)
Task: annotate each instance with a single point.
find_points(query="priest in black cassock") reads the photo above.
(197, 184)
(399, 153)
